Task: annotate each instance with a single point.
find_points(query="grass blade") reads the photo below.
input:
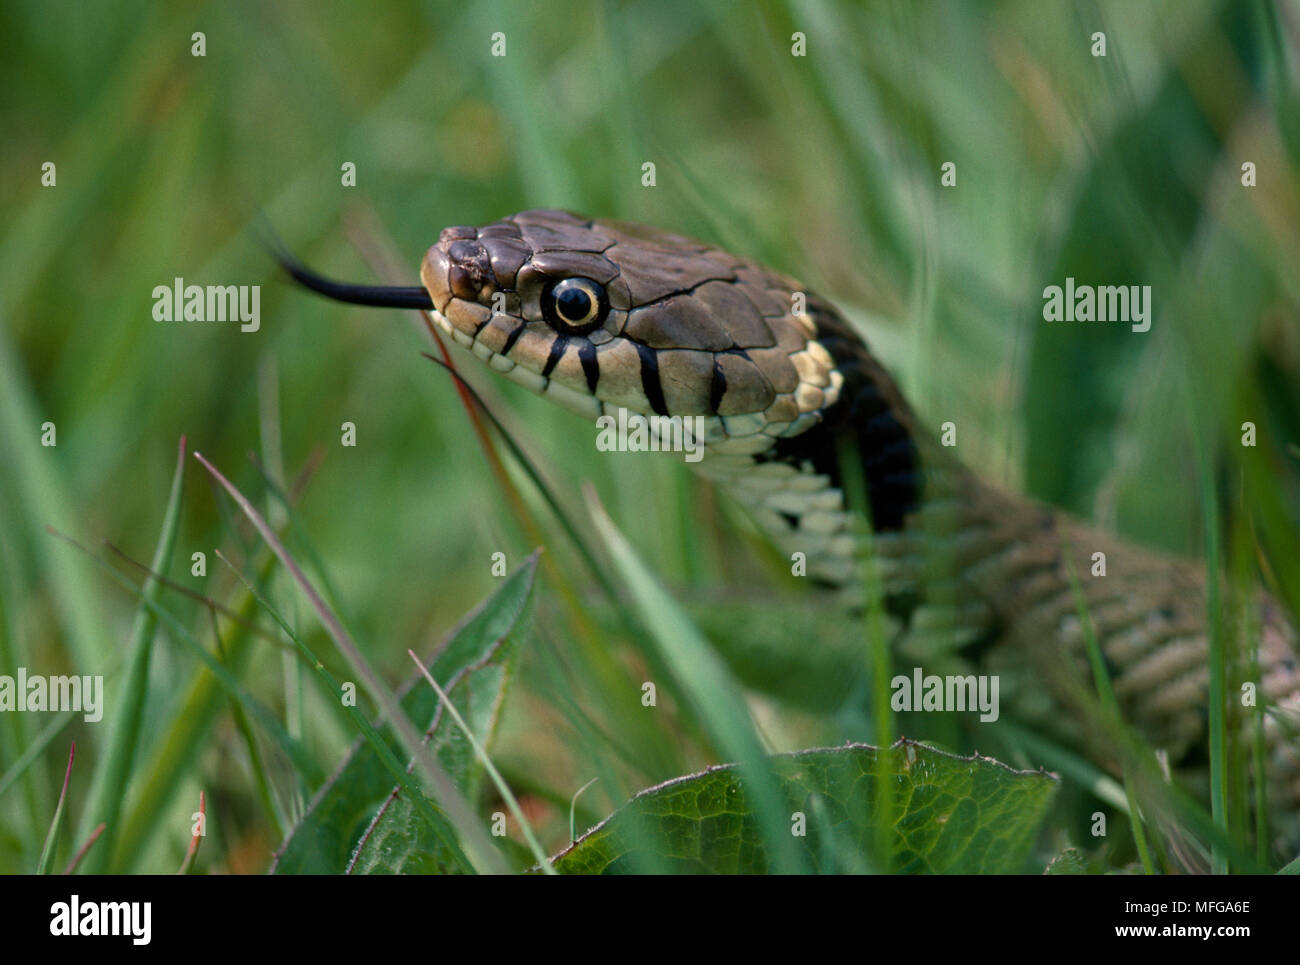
(52, 836)
(573, 808)
(81, 852)
(196, 837)
(333, 687)
(1110, 707)
(704, 682)
(193, 719)
(1218, 666)
(482, 854)
(507, 795)
(113, 776)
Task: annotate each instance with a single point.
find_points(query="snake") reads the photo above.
(599, 315)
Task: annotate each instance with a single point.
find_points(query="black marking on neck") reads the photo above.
(864, 418)
(558, 348)
(650, 384)
(590, 367)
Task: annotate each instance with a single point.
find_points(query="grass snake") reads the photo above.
(599, 314)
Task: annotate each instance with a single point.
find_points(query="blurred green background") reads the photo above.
(1123, 169)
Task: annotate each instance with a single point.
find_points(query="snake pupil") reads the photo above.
(575, 304)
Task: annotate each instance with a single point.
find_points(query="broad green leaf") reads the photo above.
(953, 815)
(474, 668)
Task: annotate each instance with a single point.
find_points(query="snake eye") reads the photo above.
(575, 305)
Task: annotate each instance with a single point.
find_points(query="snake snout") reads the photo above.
(470, 275)
(469, 265)
(458, 274)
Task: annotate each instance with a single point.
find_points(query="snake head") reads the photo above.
(598, 315)
(601, 316)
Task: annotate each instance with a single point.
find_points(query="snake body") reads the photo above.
(598, 314)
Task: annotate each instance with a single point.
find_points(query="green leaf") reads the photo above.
(965, 815)
(474, 668)
(1068, 862)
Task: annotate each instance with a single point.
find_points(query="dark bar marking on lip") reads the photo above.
(558, 348)
(513, 337)
(650, 384)
(590, 367)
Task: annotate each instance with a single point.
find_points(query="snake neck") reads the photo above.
(868, 443)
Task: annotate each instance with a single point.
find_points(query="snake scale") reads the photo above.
(598, 314)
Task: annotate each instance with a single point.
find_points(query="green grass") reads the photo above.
(1124, 169)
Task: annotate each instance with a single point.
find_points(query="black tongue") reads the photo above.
(377, 296)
